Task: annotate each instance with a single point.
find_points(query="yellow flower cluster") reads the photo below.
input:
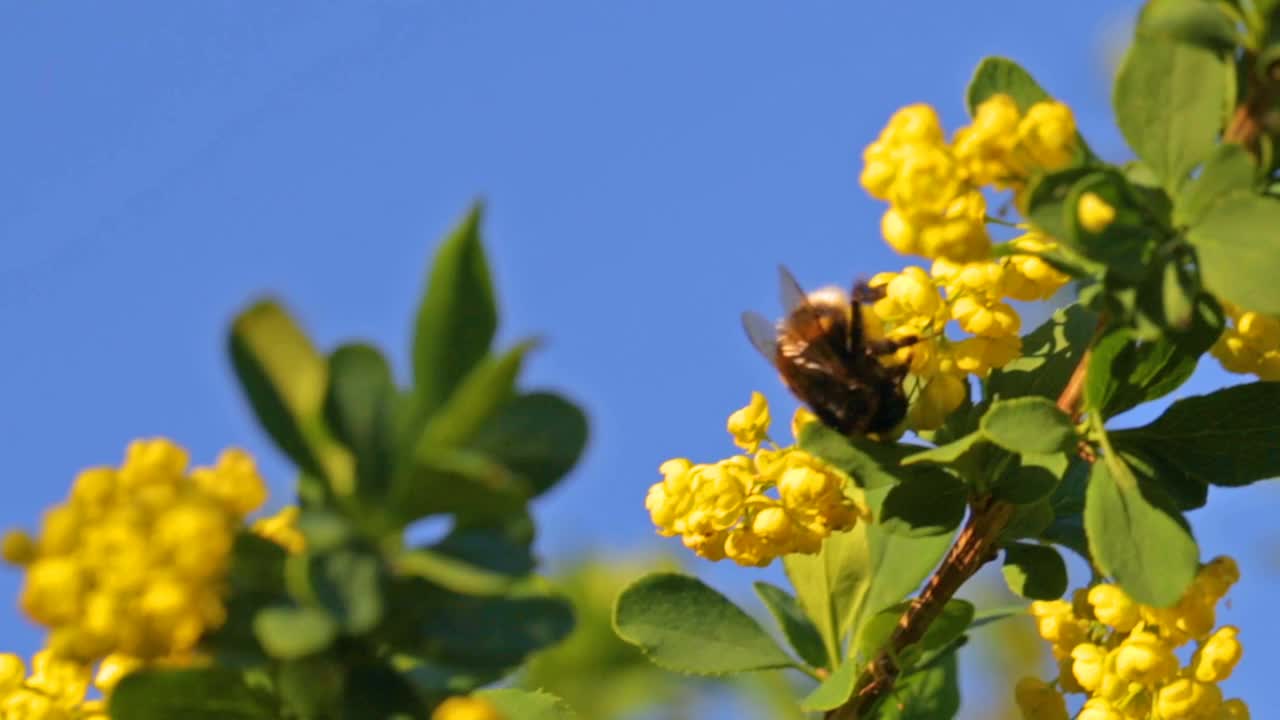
(723, 509)
(1121, 655)
(935, 189)
(55, 689)
(134, 562)
(920, 304)
(466, 708)
(1250, 344)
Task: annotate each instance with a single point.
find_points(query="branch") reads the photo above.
(974, 547)
(1246, 125)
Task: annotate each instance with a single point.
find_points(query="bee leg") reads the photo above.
(890, 345)
(864, 293)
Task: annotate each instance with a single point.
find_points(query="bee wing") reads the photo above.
(792, 295)
(762, 334)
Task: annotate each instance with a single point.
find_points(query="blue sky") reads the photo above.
(646, 165)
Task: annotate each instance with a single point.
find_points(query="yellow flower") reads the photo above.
(234, 481)
(1233, 709)
(282, 528)
(466, 708)
(1218, 576)
(981, 316)
(1111, 606)
(1145, 658)
(959, 232)
(1094, 213)
(1056, 623)
(1099, 709)
(135, 560)
(979, 355)
(1187, 699)
(1089, 665)
(750, 425)
(12, 671)
(1219, 656)
(907, 295)
(18, 548)
(937, 398)
(986, 149)
(112, 669)
(801, 418)
(747, 548)
(1047, 134)
(911, 126)
(1039, 701)
(1027, 277)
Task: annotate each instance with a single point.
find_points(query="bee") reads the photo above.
(822, 351)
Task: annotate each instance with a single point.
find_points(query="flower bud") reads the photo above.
(750, 425)
(1094, 213)
(1219, 656)
(1039, 701)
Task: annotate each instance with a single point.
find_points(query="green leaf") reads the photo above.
(309, 687)
(1030, 425)
(1169, 100)
(374, 689)
(496, 632)
(1036, 572)
(931, 693)
(539, 436)
(1123, 245)
(1196, 22)
(1229, 437)
(1030, 478)
(1228, 170)
(1235, 244)
(996, 75)
(1186, 492)
(870, 464)
(836, 689)
(324, 530)
(349, 584)
(1028, 521)
(527, 705)
(995, 615)
(796, 626)
(471, 561)
(685, 626)
(1066, 513)
(489, 386)
(452, 573)
(359, 407)
(211, 693)
(951, 454)
(461, 482)
(456, 320)
(924, 505)
(1049, 354)
(860, 572)
(287, 633)
(284, 378)
(1137, 537)
(1124, 373)
(950, 624)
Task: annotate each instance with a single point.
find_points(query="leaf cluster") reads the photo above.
(362, 624)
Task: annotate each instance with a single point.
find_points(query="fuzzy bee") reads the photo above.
(822, 351)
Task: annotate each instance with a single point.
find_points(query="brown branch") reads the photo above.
(1247, 123)
(974, 547)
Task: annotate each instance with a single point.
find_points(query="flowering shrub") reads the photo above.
(1012, 448)
(154, 581)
